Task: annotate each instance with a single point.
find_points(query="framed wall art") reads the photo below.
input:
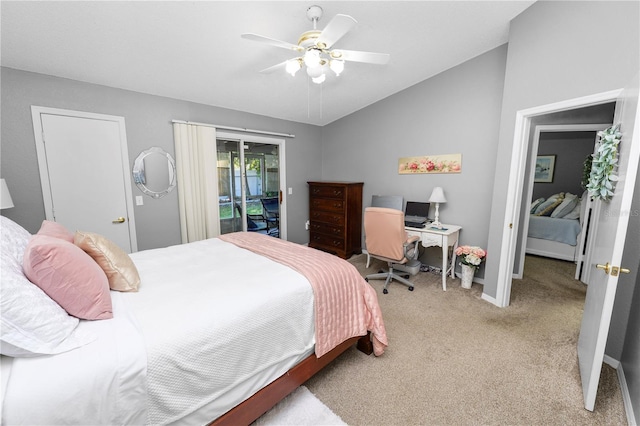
(545, 165)
(447, 163)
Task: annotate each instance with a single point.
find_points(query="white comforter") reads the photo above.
(197, 339)
(103, 382)
(210, 313)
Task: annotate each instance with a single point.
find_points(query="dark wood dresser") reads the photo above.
(335, 217)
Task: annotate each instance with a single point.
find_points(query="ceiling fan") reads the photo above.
(315, 48)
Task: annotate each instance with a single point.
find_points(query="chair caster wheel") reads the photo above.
(385, 291)
(410, 288)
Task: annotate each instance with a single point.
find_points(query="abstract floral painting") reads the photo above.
(447, 163)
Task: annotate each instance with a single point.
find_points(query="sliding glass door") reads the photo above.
(249, 185)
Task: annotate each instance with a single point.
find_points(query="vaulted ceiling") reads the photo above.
(193, 50)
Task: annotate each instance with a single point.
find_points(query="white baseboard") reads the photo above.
(490, 299)
(624, 389)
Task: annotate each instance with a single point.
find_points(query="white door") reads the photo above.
(84, 170)
(612, 221)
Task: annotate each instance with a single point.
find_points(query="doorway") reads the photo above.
(570, 146)
(84, 173)
(251, 179)
(580, 111)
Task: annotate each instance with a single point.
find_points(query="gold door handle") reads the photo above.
(119, 220)
(614, 270)
(606, 268)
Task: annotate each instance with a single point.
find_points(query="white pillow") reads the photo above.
(31, 322)
(576, 212)
(567, 205)
(548, 202)
(535, 204)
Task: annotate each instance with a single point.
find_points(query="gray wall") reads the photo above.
(558, 51)
(553, 55)
(570, 149)
(456, 111)
(148, 123)
(626, 313)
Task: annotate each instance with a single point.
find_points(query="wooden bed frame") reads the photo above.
(262, 401)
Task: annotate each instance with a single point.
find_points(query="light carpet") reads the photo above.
(301, 408)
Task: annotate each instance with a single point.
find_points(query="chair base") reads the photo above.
(411, 268)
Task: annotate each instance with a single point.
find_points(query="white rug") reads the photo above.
(300, 408)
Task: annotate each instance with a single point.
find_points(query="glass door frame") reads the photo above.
(249, 138)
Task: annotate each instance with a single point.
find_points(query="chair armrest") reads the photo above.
(410, 248)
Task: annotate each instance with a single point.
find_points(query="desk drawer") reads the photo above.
(430, 240)
(327, 204)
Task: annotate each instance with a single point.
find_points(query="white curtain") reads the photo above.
(197, 168)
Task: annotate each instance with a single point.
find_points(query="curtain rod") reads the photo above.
(241, 129)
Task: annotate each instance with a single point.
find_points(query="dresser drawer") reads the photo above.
(327, 217)
(327, 229)
(328, 204)
(327, 191)
(326, 241)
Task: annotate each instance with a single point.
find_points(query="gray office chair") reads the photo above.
(387, 240)
(388, 201)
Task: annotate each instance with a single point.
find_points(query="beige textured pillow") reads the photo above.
(116, 264)
(549, 209)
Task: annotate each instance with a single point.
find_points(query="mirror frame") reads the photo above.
(138, 167)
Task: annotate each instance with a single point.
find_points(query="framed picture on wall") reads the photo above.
(545, 165)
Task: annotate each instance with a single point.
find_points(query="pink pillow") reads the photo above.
(54, 229)
(69, 276)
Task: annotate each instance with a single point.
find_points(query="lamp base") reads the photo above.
(436, 224)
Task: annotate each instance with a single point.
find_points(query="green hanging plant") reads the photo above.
(586, 171)
(604, 163)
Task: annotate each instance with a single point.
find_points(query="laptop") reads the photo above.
(415, 214)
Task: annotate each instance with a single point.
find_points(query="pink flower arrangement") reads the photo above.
(471, 256)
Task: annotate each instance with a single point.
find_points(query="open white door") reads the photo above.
(612, 221)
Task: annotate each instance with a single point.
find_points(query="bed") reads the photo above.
(555, 227)
(217, 331)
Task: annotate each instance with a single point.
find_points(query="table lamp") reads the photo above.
(437, 196)
(5, 197)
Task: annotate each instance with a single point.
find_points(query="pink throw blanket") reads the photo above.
(345, 304)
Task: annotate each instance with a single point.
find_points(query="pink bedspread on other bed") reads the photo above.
(345, 304)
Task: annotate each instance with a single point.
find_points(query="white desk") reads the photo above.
(445, 238)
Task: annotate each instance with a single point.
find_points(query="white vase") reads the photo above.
(467, 275)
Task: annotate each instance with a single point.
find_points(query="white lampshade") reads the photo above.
(312, 58)
(437, 196)
(5, 197)
(315, 72)
(336, 65)
(293, 66)
(320, 79)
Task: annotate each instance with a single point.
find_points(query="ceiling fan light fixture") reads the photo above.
(293, 66)
(320, 79)
(312, 57)
(336, 65)
(315, 72)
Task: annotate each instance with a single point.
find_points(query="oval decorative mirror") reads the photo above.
(154, 172)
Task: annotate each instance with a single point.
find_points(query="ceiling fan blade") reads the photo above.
(335, 30)
(271, 41)
(357, 56)
(281, 66)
